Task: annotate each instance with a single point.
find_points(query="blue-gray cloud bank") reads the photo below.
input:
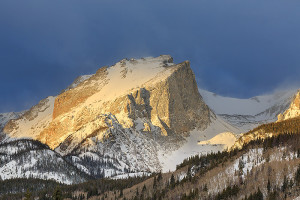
(236, 48)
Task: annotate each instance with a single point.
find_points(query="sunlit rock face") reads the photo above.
(32, 122)
(5, 118)
(293, 110)
(78, 95)
(149, 94)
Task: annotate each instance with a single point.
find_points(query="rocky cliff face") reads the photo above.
(5, 118)
(293, 110)
(32, 122)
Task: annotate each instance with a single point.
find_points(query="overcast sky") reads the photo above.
(236, 48)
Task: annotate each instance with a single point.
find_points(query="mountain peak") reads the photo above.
(154, 94)
(111, 82)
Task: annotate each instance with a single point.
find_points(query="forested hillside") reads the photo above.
(269, 130)
(267, 169)
(287, 126)
(264, 168)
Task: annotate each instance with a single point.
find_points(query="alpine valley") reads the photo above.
(143, 129)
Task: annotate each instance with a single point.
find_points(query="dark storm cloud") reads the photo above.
(237, 48)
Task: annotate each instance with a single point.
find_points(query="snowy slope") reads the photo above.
(194, 144)
(253, 159)
(252, 106)
(31, 159)
(32, 122)
(125, 151)
(128, 75)
(247, 114)
(227, 139)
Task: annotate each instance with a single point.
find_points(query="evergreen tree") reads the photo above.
(28, 195)
(241, 166)
(297, 176)
(137, 192)
(205, 189)
(189, 174)
(269, 186)
(259, 195)
(159, 177)
(284, 184)
(172, 181)
(57, 195)
(144, 188)
(154, 182)
(272, 196)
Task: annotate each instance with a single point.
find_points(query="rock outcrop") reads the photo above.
(32, 122)
(6, 117)
(293, 110)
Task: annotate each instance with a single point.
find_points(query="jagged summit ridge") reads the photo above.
(111, 82)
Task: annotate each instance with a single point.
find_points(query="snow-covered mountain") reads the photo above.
(136, 116)
(286, 123)
(147, 88)
(252, 106)
(247, 114)
(32, 159)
